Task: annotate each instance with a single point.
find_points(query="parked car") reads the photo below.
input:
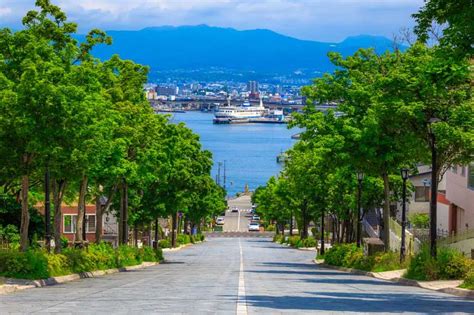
(254, 226)
(255, 218)
(220, 221)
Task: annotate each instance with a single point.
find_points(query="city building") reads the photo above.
(460, 195)
(252, 86)
(166, 90)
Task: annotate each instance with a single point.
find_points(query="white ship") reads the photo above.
(227, 114)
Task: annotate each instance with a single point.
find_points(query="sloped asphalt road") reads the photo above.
(205, 279)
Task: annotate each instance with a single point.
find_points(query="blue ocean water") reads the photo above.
(249, 150)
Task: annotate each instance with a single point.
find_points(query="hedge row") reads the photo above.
(450, 264)
(182, 239)
(37, 264)
(351, 256)
(295, 241)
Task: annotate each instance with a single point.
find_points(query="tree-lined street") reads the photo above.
(205, 279)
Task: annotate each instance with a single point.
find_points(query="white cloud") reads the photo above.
(5, 11)
(330, 20)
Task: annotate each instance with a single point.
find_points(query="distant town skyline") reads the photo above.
(320, 20)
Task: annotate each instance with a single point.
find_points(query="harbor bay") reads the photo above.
(249, 150)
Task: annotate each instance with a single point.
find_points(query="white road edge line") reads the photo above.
(241, 297)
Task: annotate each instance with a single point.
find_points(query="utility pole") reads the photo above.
(219, 164)
(224, 175)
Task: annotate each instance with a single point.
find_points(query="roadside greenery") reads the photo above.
(451, 264)
(390, 108)
(295, 241)
(38, 264)
(350, 256)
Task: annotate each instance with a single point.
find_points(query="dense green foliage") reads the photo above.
(420, 220)
(451, 264)
(394, 110)
(37, 264)
(350, 256)
(87, 121)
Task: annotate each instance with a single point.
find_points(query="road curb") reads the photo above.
(180, 247)
(403, 281)
(13, 285)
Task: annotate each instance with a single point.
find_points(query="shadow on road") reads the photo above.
(362, 302)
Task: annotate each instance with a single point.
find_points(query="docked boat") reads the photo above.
(235, 114)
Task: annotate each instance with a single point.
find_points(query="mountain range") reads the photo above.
(188, 48)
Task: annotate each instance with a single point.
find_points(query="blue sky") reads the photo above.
(325, 20)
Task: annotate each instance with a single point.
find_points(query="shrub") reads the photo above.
(388, 261)
(150, 254)
(451, 264)
(26, 265)
(293, 240)
(270, 228)
(103, 256)
(309, 242)
(315, 233)
(335, 255)
(420, 220)
(165, 243)
(469, 279)
(79, 260)
(64, 242)
(37, 264)
(128, 256)
(58, 265)
(183, 239)
(278, 238)
(11, 235)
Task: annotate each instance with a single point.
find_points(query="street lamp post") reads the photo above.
(404, 173)
(434, 187)
(360, 177)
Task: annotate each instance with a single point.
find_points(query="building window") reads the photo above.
(90, 227)
(422, 193)
(470, 176)
(454, 169)
(463, 171)
(70, 223)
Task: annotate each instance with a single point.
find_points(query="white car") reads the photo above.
(254, 226)
(255, 218)
(220, 221)
(235, 209)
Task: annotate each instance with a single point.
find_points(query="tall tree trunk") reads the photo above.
(304, 232)
(123, 224)
(386, 212)
(174, 222)
(321, 251)
(25, 215)
(98, 218)
(81, 210)
(59, 186)
(291, 224)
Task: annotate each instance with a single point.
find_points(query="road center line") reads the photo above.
(241, 298)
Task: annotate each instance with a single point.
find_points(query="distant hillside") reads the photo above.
(199, 47)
